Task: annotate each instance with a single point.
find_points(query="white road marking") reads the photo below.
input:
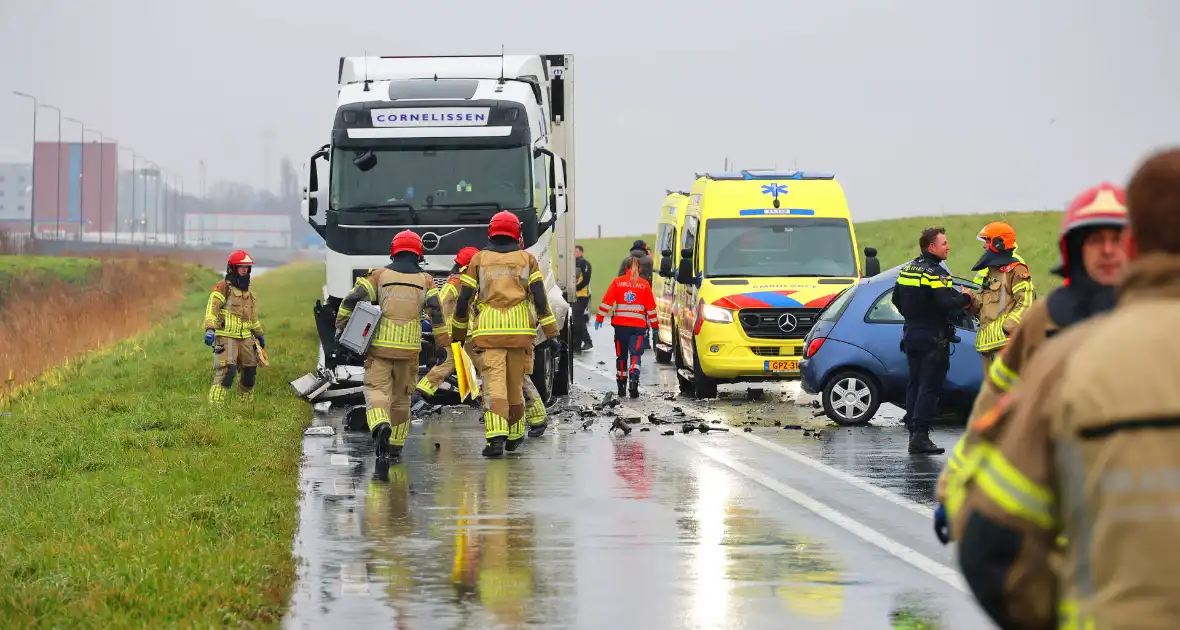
(340, 460)
(854, 527)
(853, 480)
(354, 579)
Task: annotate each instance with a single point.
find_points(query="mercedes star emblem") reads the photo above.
(430, 241)
(787, 322)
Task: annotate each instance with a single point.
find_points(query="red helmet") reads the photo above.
(1104, 205)
(406, 241)
(240, 257)
(465, 255)
(504, 224)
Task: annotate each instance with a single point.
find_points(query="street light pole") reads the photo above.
(81, 174)
(33, 167)
(101, 176)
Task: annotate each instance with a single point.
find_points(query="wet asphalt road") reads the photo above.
(820, 527)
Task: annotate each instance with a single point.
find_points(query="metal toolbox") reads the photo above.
(362, 325)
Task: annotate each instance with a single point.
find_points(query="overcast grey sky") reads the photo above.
(920, 107)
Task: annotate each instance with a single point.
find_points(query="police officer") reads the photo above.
(1006, 290)
(447, 296)
(582, 339)
(233, 329)
(1088, 454)
(1091, 260)
(402, 290)
(929, 302)
(508, 284)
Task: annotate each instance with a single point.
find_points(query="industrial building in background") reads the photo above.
(75, 190)
(16, 196)
(237, 231)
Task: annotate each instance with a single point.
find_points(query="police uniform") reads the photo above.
(1087, 455)
(582, 339)
(927, 299)
(402, 291)
(1101, 206)
(233, 329)
(1006, 290)
(508, 284)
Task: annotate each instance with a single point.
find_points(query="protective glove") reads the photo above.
(597, 324)
(262, 341)
(208, 336)
(941, 528)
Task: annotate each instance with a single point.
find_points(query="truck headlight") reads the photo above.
(716, 314)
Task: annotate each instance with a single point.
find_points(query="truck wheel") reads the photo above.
(565, 363)
(543, 371)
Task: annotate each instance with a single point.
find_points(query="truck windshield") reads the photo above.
(436, 177)
(778, 247)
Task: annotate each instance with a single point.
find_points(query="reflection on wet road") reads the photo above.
(584, 529)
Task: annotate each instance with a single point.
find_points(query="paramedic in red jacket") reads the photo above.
(634, 309)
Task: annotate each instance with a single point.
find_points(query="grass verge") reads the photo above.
(126, 501)
(896, 241)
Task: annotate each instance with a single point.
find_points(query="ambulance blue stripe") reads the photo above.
(774, 299)
(776, 212)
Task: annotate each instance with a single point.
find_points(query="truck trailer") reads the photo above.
(438, 145)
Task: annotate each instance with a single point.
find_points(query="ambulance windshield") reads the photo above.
(752, 248)
(436, 178)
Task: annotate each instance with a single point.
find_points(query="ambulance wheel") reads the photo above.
(702, 386)
(565, 363)
(544, 368)
(684, 383)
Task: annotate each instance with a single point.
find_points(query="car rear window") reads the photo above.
(836, 307)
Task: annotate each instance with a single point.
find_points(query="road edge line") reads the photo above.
(856, 528)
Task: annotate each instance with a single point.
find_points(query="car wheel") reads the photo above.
(851, 398)
(543, 374)
(702, 386)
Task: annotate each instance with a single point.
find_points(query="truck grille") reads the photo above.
(764, 323)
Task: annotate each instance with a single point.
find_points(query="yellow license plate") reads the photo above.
(782, 366)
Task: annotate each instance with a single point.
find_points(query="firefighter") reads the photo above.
(447, 295)
(507, 282)
(1091, 261)
(582, 339)
(1005, 293)
(1089, 452)
(233, 328)
(402, 290)
(926, 298)
(632, 309)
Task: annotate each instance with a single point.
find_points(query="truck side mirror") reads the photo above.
(684, 274)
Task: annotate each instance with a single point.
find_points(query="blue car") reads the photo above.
(852, 357)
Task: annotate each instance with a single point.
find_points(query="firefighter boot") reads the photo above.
(495, 447)
(634, 382)
(535, 415)
(515, 427)
(381, 437)
(622, 383)
(920, 444)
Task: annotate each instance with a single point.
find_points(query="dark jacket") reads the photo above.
(584, 269)
(645, 264)
(925, 296)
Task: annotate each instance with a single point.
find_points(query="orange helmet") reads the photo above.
(504, 224)
(465, 255)
(997, 236)
(1104, 205)
(406, 241)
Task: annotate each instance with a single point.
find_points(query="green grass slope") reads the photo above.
(896, 241)
(127, 501)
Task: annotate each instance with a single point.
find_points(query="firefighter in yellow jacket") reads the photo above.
(1006, 291)
(233, 329)
(507, 282)
(1092, 258)
(428, 385)
(403, 291)
(1089, 452)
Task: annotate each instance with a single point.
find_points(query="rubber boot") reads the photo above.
(537, 430)
(920, 444)
(395, 453)
(381, 436)
(622, 387)
(512, 445)
(495, 447)
(634, 382)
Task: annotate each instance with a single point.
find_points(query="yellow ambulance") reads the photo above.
(761, 253)
(664, 259)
